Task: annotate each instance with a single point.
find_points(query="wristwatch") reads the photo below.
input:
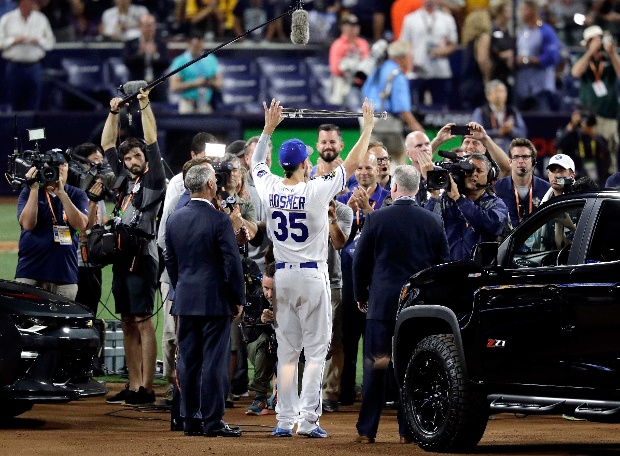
(525, 60)
(332, 221)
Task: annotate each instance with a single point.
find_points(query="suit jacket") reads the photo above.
(396, 242)
(203, 262)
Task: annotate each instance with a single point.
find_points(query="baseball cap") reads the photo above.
(562, 160)
(292, 153)
(591, 32)
(236, 148)
(350, 19)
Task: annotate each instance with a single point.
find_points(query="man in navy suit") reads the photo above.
(204, 266)
(397, 241)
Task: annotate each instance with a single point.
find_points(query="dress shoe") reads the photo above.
(364, 439)
(405, 439)
(225, 431)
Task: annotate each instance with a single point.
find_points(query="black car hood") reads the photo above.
(22, 299)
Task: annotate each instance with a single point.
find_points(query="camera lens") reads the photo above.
(49, 173)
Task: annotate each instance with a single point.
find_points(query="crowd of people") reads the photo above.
(330, 243)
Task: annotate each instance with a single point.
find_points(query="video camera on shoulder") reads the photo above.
(46, 163)
(457, 167)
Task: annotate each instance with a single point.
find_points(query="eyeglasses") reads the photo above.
(383, 160)
(521, 157)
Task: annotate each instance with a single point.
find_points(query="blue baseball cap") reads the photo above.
(292, 153)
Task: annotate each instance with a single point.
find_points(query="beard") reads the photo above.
(329, 155)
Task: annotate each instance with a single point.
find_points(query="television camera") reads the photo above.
(46, 163)
(457, 167)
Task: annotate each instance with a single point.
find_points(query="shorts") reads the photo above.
(134, 292)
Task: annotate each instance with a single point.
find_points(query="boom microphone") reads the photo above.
(447, 154)
(131, 87)
(300, 28)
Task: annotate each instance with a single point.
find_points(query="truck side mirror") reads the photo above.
(484, 255)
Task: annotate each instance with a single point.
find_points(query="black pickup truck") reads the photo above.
(528, 326)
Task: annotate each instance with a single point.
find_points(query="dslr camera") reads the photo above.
(46, 163)
(458, 168)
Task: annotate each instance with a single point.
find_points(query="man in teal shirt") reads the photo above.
(195, 84)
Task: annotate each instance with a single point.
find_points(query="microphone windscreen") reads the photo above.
(131, 87)
(300, 28)
(447, 154)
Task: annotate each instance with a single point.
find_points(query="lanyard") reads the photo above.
(514, 187)
(597, 72)
(128, 198)
(357, 214)
(49, 203)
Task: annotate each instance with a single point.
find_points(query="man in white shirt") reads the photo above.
(433, 37)
(25, 37)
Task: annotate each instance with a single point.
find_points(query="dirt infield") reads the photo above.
(93, 427)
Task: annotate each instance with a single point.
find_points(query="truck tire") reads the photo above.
(443, 412)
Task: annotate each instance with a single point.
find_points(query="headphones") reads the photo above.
(493, 173)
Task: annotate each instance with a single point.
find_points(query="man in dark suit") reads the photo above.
(397, 241)
(204, 266)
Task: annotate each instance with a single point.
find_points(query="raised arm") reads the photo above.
(361, 146)
(149, 127)
(110, 128)
(273, 117)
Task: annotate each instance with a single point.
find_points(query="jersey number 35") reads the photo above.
(292, 226)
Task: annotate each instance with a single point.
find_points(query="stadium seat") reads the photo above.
(231, 67)
(291, 97)
(118, 73)
(268, 66)
(86, 82)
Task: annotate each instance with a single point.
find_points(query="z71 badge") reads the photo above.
(496, 343)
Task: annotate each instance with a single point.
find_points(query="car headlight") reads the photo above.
(29, 324)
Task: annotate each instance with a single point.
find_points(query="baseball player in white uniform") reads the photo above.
(297, 217)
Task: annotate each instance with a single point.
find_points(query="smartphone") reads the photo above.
(607, 39)
(459, 130)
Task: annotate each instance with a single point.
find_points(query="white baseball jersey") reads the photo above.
(297, 215)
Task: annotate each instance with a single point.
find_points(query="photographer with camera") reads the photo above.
(471, 211)
(388, 88)
(135, 268)
(475, 141)
(50, 213)
(258, 331)
(242, 212)
(89, 171)
(598, 70)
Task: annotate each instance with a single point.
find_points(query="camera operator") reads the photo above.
(476, 142)
(388, 88)
(471, 211)
(598, 69)
(85, 159)
(135, 276)
(50, 215)
(261, 343)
